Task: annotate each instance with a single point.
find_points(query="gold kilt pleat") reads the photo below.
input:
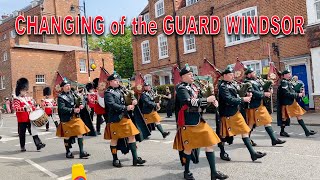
(234, 125)
(122, 129)
(74, 127)
(292, 110)
(153, 117)
(191, 137)
(258, 116)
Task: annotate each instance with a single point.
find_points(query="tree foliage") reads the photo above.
(121, 48)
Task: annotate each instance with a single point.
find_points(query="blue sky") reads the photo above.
(110, 11)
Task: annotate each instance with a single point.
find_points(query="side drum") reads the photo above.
(38, 118)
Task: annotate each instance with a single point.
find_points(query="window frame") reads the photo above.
(165, 39)
(143, 54)
(315, 9)
(83, 66)
(13, 34)
(156, 8)
(43, 77)
(190, 3)
(242, 38)
(5, 56)
(145, 77)
(185, 45)
(2, 82)
(146, 15)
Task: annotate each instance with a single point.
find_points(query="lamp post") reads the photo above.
(83, 8)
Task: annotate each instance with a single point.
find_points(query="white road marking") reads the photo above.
(294, 154)
(69, 176)
(52, 138)
(301, 134)
(291, 133)
(11, 158)
(168, 142)
(26, 143)
(44, 170)
(154, 141)
(5, 139)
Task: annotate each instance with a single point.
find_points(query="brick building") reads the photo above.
(39, 57)
(285, 51)
(313, 32)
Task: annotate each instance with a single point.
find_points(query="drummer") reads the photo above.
(23, 105)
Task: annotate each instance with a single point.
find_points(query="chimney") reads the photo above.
(4, 16)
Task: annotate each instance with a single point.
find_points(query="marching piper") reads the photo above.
(119, 125)
(232, 121)
(288, 106)
(256, 113)
(193, 131)
(23, 106)
(149, 109)
(71, 125)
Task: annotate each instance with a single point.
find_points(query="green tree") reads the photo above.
(121, 48)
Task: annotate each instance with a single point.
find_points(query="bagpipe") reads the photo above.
(128, 95)
(298, 86)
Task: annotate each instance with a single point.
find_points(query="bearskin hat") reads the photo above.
(22, 84)
(95, 83)
(89, 86)
(47, 91)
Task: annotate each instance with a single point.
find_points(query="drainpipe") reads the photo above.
(176, 37)
(212, 41)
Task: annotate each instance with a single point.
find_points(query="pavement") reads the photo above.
(297, 159)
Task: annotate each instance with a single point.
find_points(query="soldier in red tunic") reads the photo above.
(48, 104)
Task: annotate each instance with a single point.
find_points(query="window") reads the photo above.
(159, 8)
(255, 64)
(234, 39)
(2, 82)
(195, 70)
(317, 8)
(83, 67)
(148, 79)
(146, 17)
(40, 79)
(91, 62)
(4, 36)
(13, 34)
(163, 46)
(165, 79)
(190, 2)
(189, 42)
(145, 48)
(5, 56)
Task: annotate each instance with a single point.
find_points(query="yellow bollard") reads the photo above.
(78, 172)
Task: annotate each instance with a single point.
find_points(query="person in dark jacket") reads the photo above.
(287, 105)
(149, 109)
(71, 125)
(120, 125)
(193, 131)
(256, 113)
(232, 121)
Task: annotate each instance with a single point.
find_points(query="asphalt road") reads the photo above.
(297, 159)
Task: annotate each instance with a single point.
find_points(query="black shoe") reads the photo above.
(40, 146)
(311, 132)
(47, 129)
(225, 156)
(219, 175)
(285, 134)
(165, 134)
(138, 161)
(23, 149)
(258, 155)
(69, 155)
(253, 143)
(117, 163)
(188, 176)
(84, 155)
(277, 141)
(98, 133)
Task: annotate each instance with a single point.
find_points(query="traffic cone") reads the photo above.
(78, 172)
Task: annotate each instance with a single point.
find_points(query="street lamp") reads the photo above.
(83, 8)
